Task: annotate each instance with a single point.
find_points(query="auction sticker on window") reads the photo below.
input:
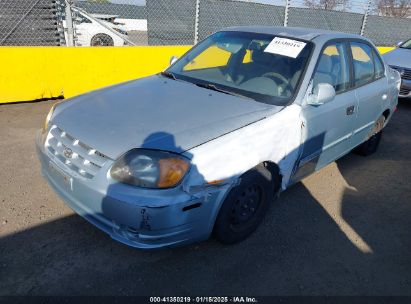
(285, 47)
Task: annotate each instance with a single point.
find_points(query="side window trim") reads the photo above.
(375, 58)
(347, 46)
(373, 65)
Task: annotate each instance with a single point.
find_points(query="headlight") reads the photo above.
(398, 69)
(399, 84)
(400, 74)
(150, 168)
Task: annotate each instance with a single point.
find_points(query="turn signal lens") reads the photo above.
(172, 170)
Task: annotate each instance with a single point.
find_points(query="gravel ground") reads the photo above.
(343, 231)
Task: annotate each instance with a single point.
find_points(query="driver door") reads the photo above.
(329, 126)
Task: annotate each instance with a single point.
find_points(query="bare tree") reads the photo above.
(394, 8)
(327, 4)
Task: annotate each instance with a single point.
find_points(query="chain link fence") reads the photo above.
(183, 22)
(31, 22)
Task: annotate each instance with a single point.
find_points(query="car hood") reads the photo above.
(155, 113)
(398, 57)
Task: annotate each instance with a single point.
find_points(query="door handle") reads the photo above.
(350, 110)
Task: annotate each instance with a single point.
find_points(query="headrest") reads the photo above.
(325, 64)
(260, 57)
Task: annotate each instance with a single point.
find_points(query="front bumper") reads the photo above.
(141, 218)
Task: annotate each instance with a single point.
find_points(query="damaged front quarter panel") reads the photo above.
(276, 138)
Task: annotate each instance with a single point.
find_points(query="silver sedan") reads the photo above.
(205, 146)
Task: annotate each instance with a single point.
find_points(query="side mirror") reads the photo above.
(322, 93)
(399, 43)
(173, 59)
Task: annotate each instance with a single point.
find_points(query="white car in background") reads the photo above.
(97, 29)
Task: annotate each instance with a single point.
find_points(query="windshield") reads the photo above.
(406, 45)
(246, 64)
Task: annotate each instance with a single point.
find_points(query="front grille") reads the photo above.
(74, 154)
(406, 74)
(404, 91)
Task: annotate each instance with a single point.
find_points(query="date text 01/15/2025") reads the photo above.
(239, 299)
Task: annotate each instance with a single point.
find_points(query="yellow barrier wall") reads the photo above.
(30, 73)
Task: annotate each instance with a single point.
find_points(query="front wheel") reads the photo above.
(245, 205)
(102, 40)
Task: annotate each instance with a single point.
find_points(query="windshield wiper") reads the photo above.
(215, 88)
(168, 75)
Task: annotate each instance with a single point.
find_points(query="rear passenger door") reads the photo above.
(371, 89)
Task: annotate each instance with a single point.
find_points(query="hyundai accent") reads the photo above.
(204, 147)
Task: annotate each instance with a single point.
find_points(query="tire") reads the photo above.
(102, 40)
(371, 145)
(245, 206)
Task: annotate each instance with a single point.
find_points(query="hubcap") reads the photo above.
(101, 41)
(246, 205)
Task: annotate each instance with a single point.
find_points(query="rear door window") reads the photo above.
(363, 63)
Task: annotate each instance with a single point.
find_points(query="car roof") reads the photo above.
(294, 32)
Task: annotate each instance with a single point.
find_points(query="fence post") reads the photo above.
(196, 21)
(287, 7)
(69, 24)
(364, 21)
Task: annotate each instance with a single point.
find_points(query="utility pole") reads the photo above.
(287, 7)
(196, 21)
(69, 24)
(364, 21)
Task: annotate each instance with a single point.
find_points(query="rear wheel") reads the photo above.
(102, 40)
(371, 145)
(245, 206)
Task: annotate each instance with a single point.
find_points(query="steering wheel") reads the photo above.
(285, 84)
